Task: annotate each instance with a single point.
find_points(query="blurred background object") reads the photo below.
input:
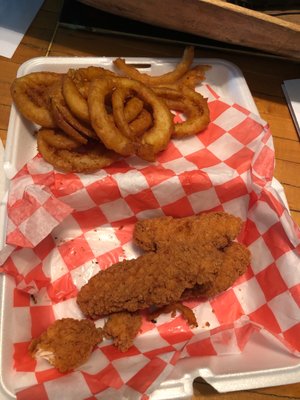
(15, 18)
(213, 19)
(288, 10)
(268, 4)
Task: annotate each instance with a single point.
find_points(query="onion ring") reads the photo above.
(183, 105)
(64, 125)
(189, 102)
(132, 108)
(141, 123)
(89, 73)
(58, 139)
(65, 119)
(88, 159)
(198, 121)
(74, 100)
(171, 92)
(152, 141)
(79, 106)
(169, 77)
(82, 77)
(138, 119)
(118, 100)
(101, 120)
(194, 76)
(129, 116)
(75, 89)
(30, 94)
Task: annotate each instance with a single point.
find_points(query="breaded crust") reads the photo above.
(161, 278)
(67, 343)
(217, 228)
(122, 327)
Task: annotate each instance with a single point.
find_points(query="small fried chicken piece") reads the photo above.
(156, 278)
(217, 228)
(67, 343)
(122, 327)
(185, 311)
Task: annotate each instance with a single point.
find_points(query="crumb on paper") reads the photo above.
(122, 327)
(185, 311)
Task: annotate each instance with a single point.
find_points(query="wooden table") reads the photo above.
(264, 76)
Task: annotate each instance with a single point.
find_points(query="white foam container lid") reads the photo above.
(264, 362)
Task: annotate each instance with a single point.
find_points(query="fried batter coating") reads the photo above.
(236, 260)
(185, 311)
(57, 139)
(217, 228)
(67, 343)
(30, 94)
(158, 278)
(64, 118)
(122, 327)
(85, 159)
(170, 77)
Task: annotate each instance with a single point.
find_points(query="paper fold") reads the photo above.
(228, 167)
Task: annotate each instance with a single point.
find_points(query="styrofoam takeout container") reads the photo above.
(264, 362)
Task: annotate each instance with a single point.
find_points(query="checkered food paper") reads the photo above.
(64, 228)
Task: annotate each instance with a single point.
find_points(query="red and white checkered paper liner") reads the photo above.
(63, 228)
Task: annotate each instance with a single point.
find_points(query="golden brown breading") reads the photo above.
(122, 327)
(217, 228)
(151, 279)
(67, 343)
(236, 259)
(160, 278)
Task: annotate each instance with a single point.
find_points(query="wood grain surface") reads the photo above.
(214, 19)
(264, 76)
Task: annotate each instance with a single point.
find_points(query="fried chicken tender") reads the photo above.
(122, 327)
(159, 278)
(67, 343)
(217, 228)
(236, 259)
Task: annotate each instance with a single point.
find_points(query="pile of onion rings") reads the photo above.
(89, 117)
